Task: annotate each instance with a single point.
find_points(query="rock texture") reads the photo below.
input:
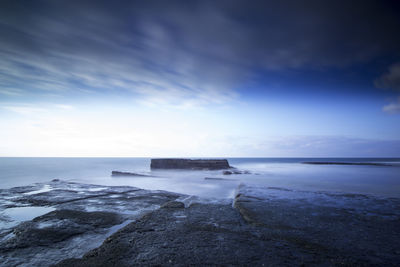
(265, 226)
(332, 228)
(279, 227)
(83, 217)
(235, 172)
(190, 164)
(118, 173)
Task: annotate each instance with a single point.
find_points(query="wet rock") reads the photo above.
(216, 234)
(84, 216)
(235, 172)
(218, 179)
(173, 205)
(206, 235)
(58, 226)
(190, 164)
(118, 173)
(265, 226)
(334, 224)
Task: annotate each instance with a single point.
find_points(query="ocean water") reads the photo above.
(269, 172)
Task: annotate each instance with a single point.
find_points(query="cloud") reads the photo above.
(11, 91)
(25, 110)
(69, 52)
(35, 109)
(63, 106)
(169, 53)
(390, 80)
(393, 107)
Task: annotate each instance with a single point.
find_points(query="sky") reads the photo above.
(200, 78)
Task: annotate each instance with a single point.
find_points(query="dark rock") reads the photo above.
(173, 205)
(218, 179)
(84, 216)
(235, 172)
(267, 226)
(118, 173)
(69, 223)
(335, 225)
(281, 232)
(207, 235)
(190, 164)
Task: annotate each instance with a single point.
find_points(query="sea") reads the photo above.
(289, 173)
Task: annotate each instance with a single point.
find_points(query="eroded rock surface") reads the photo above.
(202, 235)
(265, 226)
(82, 217)
(346, 228)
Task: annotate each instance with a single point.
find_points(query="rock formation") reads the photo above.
(190, 164)
(118, 173)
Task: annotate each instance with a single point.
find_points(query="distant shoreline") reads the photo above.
(347, 163)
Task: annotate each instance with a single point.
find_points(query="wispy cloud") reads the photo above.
(393, 107)
(25, 110)
(177, 55)
(11, 91)
(35, 109)
(391, 81)
(148, 65)
(63, 106)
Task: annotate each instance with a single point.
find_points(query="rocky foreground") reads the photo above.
(263, 226)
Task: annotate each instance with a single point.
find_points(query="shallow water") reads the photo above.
(14, 216)
(275, 172)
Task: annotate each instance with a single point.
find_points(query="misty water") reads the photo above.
(269, 172)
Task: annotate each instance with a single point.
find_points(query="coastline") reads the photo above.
(150, 227)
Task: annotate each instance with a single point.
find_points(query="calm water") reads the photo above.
(277, 172)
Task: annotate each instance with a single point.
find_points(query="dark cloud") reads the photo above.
(391, 79)
(190, 51)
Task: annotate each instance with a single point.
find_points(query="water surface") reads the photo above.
(273, 172)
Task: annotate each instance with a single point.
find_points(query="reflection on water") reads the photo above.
(13, 216)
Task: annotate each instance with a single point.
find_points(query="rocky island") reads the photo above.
(190, 164)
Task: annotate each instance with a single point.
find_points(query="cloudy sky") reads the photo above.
(200, 78)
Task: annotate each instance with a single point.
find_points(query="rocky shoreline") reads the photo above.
(125, 226)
